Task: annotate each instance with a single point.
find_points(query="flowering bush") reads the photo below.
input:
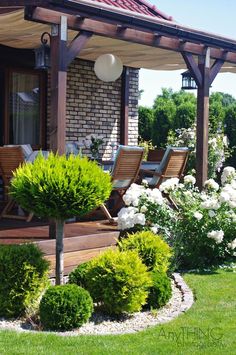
(93, 142)
(206, 225)
(218, 149)
(202, 230)
(146, 209)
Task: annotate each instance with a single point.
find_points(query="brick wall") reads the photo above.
(93, 106)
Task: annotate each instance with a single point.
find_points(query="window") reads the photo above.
(25, 108)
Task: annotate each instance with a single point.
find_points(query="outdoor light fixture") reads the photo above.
(188, 82)
(42, 54)
(108, 67)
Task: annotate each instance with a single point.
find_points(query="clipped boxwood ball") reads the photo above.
(65, 307)
(160, 292)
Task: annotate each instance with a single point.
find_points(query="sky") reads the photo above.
(215, 16)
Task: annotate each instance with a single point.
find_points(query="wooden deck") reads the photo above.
(83, 240)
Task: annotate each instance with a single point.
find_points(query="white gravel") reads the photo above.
(181, 301)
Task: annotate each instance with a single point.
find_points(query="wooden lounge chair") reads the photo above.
(172, 165)
(10, 159)
(124, 173)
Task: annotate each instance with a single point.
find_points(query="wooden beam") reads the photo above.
(124, 117)
(202, 121)
(58, 87)
(215, 69)
(13, 3)
(77, 45)
(131, 35)
(192, 67)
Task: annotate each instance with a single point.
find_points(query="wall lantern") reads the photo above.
(188, 82)
(42, 54)
(108, 67)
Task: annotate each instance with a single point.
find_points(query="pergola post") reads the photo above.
(58, 87)
(203, 120)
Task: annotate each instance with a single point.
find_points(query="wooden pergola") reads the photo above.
(204, 53)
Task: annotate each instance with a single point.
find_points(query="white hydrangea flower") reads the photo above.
(132, 195)
(169, 185)
(189, 179)
(228, 174)
(217, 236)
(211, 213)
(154, 196)
(213, 142)
(224, 197)
(126, 218)
(154, 229)
(232, 245)
(210, 204)
(139, 218)
(143, 209)
(211, 184)
(198, 215)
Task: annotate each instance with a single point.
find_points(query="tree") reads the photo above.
(230, 131)
(60, 188)
(145, 122)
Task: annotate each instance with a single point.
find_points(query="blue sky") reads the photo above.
(215, 16)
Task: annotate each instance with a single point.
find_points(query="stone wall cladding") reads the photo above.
(94, 106)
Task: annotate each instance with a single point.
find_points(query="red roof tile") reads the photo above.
(139, 6)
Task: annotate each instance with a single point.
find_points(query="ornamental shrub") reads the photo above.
(160, 291)
(65, 307)
(118, 281)
(23, 279)
(78, 275)
(154, 252)
(60, 187)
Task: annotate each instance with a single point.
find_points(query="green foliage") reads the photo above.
(78, 275)
(60, 188)
(160, 292)
(118, 281)
(154, 252)
(23, 278)
(147, 145)
(230, 130)
(145, 122)
(65, 307)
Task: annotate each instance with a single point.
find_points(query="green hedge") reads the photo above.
(23, 279)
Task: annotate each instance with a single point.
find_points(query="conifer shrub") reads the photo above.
(160, 292)
(152, 249)
(65, 307)
(23, 279)
(78, 275)
(118, 281)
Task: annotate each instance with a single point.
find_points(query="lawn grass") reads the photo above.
(209, 327)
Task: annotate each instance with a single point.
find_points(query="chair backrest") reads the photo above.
(126, 166)
(10, 159)
(172, 165)
(155, 154)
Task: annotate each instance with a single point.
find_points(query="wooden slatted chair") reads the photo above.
(125, 171)
(172, 165)
(10, 159)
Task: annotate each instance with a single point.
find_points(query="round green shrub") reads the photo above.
(160, 292)
(65, 307)
(154, 252)
(118, 281)
(23, 279)
(60, 187)
(78, 275)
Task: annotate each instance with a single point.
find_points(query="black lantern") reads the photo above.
(42, 54)
(188, 82)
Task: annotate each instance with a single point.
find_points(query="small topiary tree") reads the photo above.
(118, 281)
(59, 188)
(23, 279)
(152, 249)
(65, 307)
(160, 292)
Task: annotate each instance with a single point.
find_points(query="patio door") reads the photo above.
(25, 108)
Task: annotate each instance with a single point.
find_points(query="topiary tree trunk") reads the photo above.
(60, 227)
